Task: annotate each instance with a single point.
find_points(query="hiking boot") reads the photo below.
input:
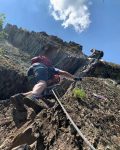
(19, 95)
(17, 101)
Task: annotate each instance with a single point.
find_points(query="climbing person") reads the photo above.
(94, 58)
(42, 75)
(96, 54)
(47, 62)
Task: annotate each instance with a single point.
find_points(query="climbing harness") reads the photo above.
(72, 122)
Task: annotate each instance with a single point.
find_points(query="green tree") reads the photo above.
(2, 19)
(2, 31)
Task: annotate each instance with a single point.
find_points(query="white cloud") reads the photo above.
(73, 13)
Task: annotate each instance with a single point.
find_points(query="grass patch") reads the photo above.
(79, 93)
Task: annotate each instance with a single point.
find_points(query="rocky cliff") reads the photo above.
(95, 110)
(64, 55)
(21, 45)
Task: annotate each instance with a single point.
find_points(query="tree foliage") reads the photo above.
(2, 19)
(2, 31)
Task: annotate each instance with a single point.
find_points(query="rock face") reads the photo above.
(11, 83)
(61, 53)
(105, 70)
(95, 110)
(13, 65)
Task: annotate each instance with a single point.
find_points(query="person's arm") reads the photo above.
(66, 74)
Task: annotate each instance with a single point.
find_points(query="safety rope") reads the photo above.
(72, 122)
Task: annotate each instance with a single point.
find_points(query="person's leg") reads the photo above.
(27, 94)
(39, 88)
(30, 99)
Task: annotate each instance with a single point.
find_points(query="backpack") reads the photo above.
(101, 53)
(41, 59)
(48, 63)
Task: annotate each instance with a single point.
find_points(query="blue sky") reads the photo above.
(102, 33)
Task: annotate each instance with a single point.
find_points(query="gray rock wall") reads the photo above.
(67, 56)
(11, 82)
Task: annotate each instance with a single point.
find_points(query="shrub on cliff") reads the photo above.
(79, 93)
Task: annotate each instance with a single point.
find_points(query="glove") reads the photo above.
(78, 79)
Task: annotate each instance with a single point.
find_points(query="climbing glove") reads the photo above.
(78, 79)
